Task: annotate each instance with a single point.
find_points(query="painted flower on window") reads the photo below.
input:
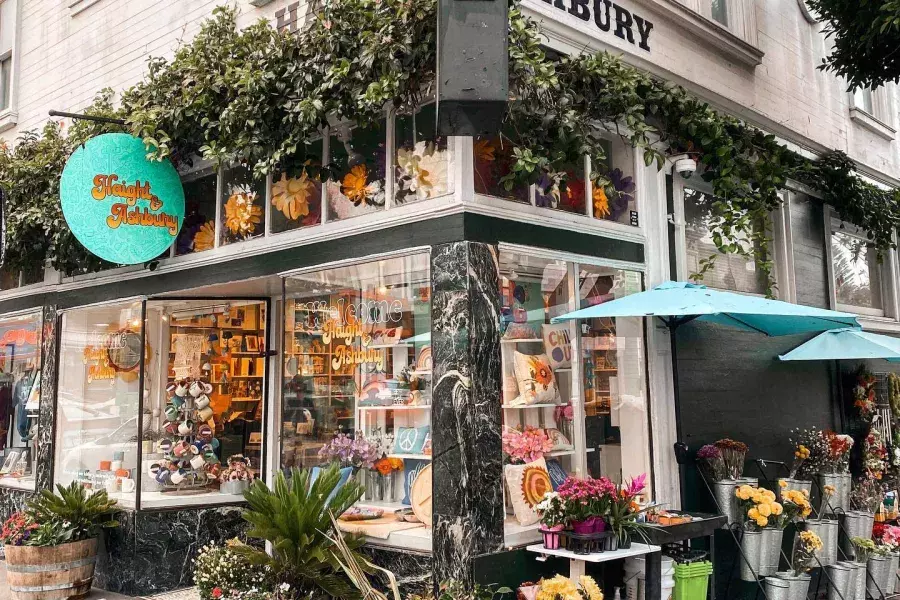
(292, 195)
(484, 150)
(422, 172)
(205, 238)
(241, 214)
(601, 202)
(354, 184)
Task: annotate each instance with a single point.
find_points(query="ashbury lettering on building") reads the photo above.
(119, 213)
(609, 16)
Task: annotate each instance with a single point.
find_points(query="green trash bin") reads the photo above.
(692, 580)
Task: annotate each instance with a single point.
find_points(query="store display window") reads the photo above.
(20, 395)
(358, 164)
(357, 389)
(98, 399)
(297, 190)
(165, 409)
(423, 161)
(573, 393)
(199, 230)
(243, 205)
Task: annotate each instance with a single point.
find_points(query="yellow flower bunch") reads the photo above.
(802, 452)
(829, 490)
(558, 587)
(760, 504)
(589, 588)
(811, 540)
(799, 500)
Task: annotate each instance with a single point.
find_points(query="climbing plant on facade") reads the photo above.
(260, 97)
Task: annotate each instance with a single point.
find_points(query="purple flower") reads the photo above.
(708, 451)
(624, 187)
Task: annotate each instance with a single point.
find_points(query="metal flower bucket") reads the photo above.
(778, 589)
(827, 530)
(771, 550)
(841, 576)
(751, 555)
(799, 584)
(793, 484)
(879, 575)
(892, 580)
(860, 580)
(841, 482)
(726, 500)
(856, 524)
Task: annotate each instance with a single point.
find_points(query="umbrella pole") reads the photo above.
(680, 448)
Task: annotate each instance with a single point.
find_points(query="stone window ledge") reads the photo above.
(873, 124)
(77, 6)
(8, 120)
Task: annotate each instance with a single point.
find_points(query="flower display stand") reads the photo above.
(577, 562)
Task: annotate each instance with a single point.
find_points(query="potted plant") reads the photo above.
(52, 544)
(624, 510)
(553, 518)
(588, 501)
(758, 510)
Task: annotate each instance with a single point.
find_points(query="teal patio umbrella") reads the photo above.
(847, 344)
(676, 303)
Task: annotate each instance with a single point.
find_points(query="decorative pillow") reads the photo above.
(426, 447)
(557, 345)
(559, 441)
(557, 474)
(411, 470)
(411, 440)
(537, 384)
(345, 476)
(527, 485)
(519, 331)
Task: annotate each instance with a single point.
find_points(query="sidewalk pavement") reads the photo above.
(187, 594)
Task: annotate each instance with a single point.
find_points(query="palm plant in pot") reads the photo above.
(52, 544)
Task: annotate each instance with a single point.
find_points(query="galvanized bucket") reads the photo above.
(841, 498)
(778, 589)
(840, 578)
(799, 584)
(827, 530)
(892, 581)
(751, 555)
(771, 550)
(861, 578)
(793, 484)
(879, 575)
(856, 524)
(726, 500)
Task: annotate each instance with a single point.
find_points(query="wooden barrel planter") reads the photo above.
(63, 572)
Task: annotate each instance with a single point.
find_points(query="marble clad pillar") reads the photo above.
(468, 510)
(47, 414)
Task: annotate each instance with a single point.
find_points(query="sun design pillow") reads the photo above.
(527, 485)
(537, 385)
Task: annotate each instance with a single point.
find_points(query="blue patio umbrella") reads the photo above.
(847, 344)
(676, 303)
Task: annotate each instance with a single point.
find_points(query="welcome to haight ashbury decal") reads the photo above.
(608, 16)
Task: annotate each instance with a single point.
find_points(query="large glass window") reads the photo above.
(357, 388)
(733, 271)
(98, 399)
(357, 172)
(20, 395)
(857, 273)
(423, 160)
(573, 394)
(193, 434)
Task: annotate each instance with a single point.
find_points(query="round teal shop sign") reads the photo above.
(120, 206)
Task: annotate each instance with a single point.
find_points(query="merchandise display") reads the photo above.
(20, 393)
(357, 387)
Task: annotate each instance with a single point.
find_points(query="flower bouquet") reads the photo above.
(588, 502)
(875, 455)
(759, 513)
(624, 510)
(381, 482)
(356, 452)
(864, 395)
(711, 462)
(803, 557)
(560, 587)
(525, 446)
(17, 530)
(554, 518)
(733, 454)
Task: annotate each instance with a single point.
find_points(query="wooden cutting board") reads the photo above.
(420, 496)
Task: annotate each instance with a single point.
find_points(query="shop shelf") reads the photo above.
(522, 341)
(569, 452)
(517, 407)
(245, 399)
(411, 456)
(246, 376)
(400, 407)
(598, 557)
(397, 345)
(519, 535)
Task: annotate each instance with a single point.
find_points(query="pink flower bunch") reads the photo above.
(587, 497)
(636, 486)
(526, 446)
(563, 412)
(891, 536)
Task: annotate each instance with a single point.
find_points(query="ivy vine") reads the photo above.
(259, 97)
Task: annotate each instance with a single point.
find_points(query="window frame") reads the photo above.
(881, 119)
(9, 116)
(887, 272)
(778, 221)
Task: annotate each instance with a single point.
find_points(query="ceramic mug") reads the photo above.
(172, 427)
(202, 401)
(180, 390)
(211, 457)
(207, 388)
(170, 390)
(204, 414)
(196, 389)
(112, 485)
(177, 401)
(198, 461)
(153, 468)
(128, 485)
(198, 447)
(178, 476)
(115, 465)
(205, 432)
(186, 427)
(164, 445)
(162, 476)
(171, 412)
(180, 449)
(214, 443)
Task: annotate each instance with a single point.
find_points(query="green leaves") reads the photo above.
(294, 517)
(71, 514)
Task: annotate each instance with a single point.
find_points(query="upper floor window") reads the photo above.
(734, 271)
(862, 100)
(7, 38)
(719, 11)
(873, 109)
(857, 274)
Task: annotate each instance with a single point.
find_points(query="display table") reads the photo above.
(703, 525)
(652, 563)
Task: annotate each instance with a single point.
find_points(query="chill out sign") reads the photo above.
(119, 205)
(609, 17)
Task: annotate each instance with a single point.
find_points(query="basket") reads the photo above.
(584, 543)
(692, 580)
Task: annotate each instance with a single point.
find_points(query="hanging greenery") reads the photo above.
(259, 97)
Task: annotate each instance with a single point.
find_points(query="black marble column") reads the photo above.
(466, 426)
(43, 466)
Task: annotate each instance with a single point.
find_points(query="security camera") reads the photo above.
(684, 165)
